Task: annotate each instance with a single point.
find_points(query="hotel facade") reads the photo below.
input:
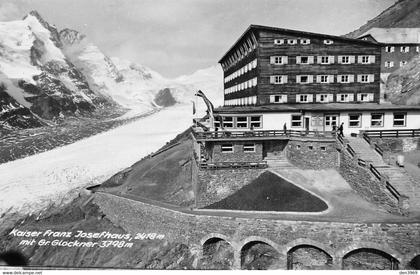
(278, 78)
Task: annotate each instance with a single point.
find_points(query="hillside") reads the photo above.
(403, 86)
(403, 14)
(53, 75)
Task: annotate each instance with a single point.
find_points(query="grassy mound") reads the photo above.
(269, 192)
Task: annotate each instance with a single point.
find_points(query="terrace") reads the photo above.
(261, 135)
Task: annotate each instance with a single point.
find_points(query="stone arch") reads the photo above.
(308, 254)
(414, 262)
(217, 252)
(369, 256)
(260, 253)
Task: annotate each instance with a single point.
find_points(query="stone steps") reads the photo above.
(398, 178)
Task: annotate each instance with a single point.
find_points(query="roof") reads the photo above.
(319, 107)
(395, 35)
(296, 32)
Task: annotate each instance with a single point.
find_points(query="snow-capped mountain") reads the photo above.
(134, 85)
(54, 74)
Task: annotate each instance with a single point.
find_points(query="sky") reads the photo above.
(178, 37)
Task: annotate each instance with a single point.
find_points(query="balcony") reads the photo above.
(261, 135)
(233, 165)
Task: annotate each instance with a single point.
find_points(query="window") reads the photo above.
(278, 41)
(304, 79)
(328, 42)
(344, 78)
(296, 121)
(364, 97)
(304, 98)
(377, 120)
(418, 49)
(323, 79)
(323, 148)
(255, 121)
(364, 78)
(403, 63)
(389, 64)
(304, 60)
(405, 49)
(227, 148)
(399, 119)
(355, 120)
(364, 59)
(345, 97)
(305, 41)
(278, 79)
(310, 147)
(278, 60)
(324, 98)
(389, 49)
(292, 41)
(325, 60)
(228, 122)
(278, 98)
(242, 122)
(345, 60)
(249, 147)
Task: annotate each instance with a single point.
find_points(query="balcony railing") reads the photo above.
(262, 134)
(391, 133)
(232, 165)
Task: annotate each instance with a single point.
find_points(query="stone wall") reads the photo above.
(366, 184)
(215, 185)
(398, 145)
(238, 153)
(337, 239)
(312, 154)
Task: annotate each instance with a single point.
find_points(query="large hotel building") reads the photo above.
(276, 78)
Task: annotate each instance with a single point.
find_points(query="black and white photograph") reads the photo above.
(141, 135)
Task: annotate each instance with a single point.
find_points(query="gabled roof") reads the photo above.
(298, 33)
(395, 35)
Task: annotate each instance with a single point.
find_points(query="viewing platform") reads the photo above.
(262, 135)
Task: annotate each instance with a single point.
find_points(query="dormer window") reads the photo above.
(405, 49)
(292, 41)
(328, 42)
(278, 41)
(389, 49)
(305, 41)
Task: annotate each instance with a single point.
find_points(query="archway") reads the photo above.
(369, 259)
(217, 254)
(307, 257)
(415, 263)
(260, 255)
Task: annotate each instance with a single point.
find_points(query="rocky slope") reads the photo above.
(55, 74)
(403, 86)
(403, 14)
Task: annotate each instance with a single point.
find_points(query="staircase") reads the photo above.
(278, 161)
(398, 177)
(365, 152)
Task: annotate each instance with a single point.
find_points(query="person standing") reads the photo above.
(341, 129)
(285, 128)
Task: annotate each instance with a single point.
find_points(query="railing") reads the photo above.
(340, 139)
(379, 150)
(375, 172)
(393, 191)
(361, 162)
(351, 150)
(262, 134)
(366, 137)
(231, 165)
(392, 133)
